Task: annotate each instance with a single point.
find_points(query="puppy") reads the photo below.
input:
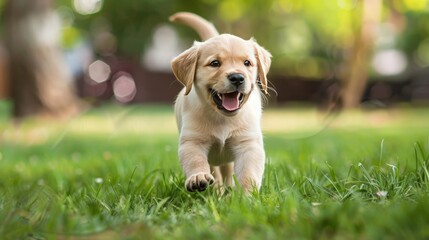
(218, 111)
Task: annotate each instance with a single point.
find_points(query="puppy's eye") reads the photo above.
(247, 63)
(214, 63)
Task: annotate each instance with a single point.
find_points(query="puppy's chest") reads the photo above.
(220, 152)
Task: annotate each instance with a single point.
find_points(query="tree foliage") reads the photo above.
(316, 34)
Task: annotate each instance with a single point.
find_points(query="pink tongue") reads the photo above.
(230, 101)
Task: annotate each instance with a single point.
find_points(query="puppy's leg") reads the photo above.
(249, 163)
(193, 158)
(227, 171)
(216, 172)
(223, 175)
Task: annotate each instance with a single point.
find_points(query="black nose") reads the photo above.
(236, 79)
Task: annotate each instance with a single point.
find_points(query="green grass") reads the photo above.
(113, 173)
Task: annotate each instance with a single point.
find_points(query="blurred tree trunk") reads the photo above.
(356, 76)
(39, 79)
(4, 83)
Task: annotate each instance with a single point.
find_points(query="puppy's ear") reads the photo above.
(263, 58)
(184, 67)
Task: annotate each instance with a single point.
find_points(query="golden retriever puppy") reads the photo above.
(219, 110)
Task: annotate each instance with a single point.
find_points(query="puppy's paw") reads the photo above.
(199, 182)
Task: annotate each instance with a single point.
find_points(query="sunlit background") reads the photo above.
(342, 52)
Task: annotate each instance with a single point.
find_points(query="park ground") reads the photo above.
(113, 173)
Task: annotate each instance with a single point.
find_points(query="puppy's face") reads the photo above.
(224, 71)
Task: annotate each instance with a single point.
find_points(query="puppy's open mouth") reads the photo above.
(229, 102)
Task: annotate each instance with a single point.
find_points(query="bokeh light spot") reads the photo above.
(124, 87)
(99, 71)
(165, 46)
(86, 7)
(389, 62)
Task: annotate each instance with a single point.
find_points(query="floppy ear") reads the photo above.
(263, 58)
(184, 67)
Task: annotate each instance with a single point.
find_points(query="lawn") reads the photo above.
(113, 173)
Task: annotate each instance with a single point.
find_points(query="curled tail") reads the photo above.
(203, 27)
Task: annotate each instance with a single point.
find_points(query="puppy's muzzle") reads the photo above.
(230, 102)
(236, 79)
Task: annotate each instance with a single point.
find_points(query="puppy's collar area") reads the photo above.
(228, 102)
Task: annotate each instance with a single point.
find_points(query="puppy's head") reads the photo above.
(223, 70)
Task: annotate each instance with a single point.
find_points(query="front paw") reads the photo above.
(199, 182)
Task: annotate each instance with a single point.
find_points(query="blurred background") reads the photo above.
(58, 56)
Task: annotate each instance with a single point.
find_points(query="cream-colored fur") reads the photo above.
(217, 138)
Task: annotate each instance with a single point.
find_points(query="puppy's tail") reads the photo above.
(203, 27)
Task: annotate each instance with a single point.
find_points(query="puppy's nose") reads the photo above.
(236, 79)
